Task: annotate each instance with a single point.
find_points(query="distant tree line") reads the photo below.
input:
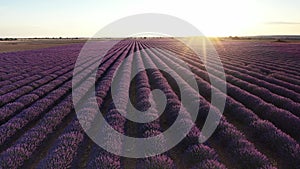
(11, 39)
(8, 39)
(54, 38)
(239, 38)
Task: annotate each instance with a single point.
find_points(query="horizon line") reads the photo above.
(83, 37)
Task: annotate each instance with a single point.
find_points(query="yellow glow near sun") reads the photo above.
(224, 18)
(212, 17)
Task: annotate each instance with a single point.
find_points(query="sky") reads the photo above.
(78, 18)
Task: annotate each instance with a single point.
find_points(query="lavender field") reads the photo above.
(260, 126)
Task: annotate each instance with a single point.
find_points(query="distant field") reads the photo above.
(259, 128)
(29, 44)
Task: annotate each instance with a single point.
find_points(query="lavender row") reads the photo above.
(248, 118)
(251, 77)
(267, 75)
(28, 99)
(100, 158)
(22, 149)
(66, 147)
(40, 70)
(172, 108)
(265, 110)
(278, 87)
(31, 113)
(238, 67)
(265, 68)
(287, 79)
(263, 93)
(40, 90)
(68, 142)
(272, 53)
(189, 149)
(9, 97)
(25, 116)
(253, 72)
(145, 101)
(226, 133)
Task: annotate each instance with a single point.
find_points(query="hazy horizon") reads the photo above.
(78, 37)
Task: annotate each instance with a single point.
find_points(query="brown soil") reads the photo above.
(30, 44)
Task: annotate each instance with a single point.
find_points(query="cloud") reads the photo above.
(283, 23)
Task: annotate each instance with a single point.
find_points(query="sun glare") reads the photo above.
(224, 18)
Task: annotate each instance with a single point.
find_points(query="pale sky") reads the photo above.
(83, 18)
